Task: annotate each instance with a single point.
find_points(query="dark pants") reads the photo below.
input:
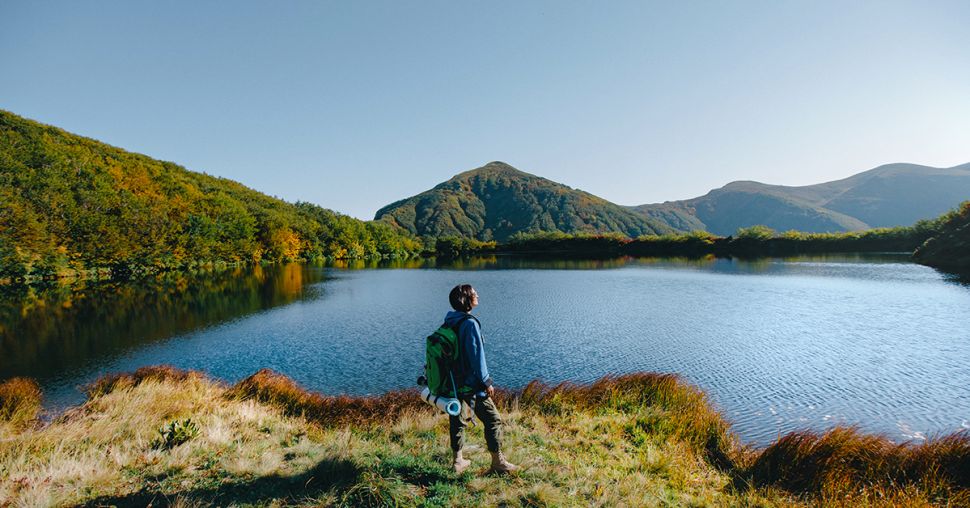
(486, 411)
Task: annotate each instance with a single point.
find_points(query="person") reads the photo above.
(475, 378)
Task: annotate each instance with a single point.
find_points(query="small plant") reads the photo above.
(175, 433)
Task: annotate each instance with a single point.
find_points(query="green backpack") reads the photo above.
(442, 366)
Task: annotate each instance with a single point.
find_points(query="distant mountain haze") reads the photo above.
(495, 201)
(887, 196)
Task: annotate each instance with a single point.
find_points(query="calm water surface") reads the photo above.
(778, 345)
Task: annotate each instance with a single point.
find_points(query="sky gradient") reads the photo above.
(354, 105)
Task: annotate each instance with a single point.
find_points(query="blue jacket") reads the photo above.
(471, 352)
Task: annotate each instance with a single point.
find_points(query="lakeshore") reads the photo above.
(779, 344)
(164, 436)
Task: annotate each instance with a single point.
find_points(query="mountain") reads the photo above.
(887, 196)
(497, 201)
(70, 203)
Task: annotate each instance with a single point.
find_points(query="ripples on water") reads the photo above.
(777, 344)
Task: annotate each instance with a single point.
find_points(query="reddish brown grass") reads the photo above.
(274, 388)
(20, 401)
(845, 460)
(693, 419)
(842, 465)
(647, 388)
(110, 382)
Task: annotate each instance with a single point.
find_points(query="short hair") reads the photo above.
(461, 297)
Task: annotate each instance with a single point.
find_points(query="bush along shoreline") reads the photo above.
(752, 242)
(163, 436)
(950, 249)
(941, 243)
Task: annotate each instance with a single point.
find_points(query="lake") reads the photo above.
(778, 344)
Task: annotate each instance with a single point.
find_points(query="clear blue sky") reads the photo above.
(353, 105)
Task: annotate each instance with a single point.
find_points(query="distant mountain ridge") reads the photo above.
(886, 196)
(496, 201)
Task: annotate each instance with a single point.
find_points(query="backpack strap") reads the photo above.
(461, 321)
(457, 330)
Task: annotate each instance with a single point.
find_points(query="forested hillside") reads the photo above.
(69, 203)
(888, 196)
(496, 201)
(950, 249)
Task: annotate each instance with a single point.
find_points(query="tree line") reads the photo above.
(72, 205)
(754, 241)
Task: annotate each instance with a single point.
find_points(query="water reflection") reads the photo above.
(47, 331)
(779, 344)
(490, 262)
(532, 263)
(545, 262)
(959, 278)
(366, 264)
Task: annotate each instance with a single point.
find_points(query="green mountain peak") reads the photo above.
(496, 201)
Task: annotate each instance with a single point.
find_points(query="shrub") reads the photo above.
(175, 433)
(758, 232)
(19, 402)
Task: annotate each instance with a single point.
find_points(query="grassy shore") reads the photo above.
(161, 436)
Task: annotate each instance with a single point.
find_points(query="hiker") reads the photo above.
(463, 299)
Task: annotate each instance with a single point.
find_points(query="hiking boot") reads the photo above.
(500, 465)
(459, 464)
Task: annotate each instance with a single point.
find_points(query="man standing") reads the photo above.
(475, 379)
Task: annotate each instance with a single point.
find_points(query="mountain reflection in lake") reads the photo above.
(778, 344)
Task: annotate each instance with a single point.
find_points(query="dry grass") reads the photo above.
(102, 453)
(110, 382)
(687, 415)
(844, 460)
(634, 440)
(271, 387)
(20, 400)
(684, 412)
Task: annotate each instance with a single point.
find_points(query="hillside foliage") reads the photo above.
(70, 204)
(950, 248)
(496, 201)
